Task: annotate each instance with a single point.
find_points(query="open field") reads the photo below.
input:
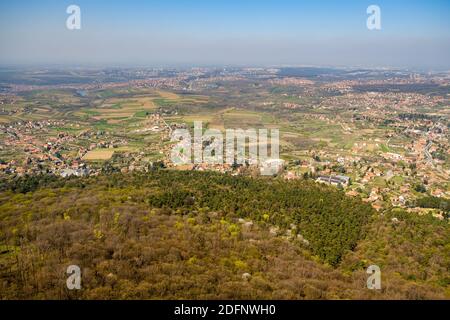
(99, 154)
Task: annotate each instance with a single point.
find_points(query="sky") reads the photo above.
(414, 34)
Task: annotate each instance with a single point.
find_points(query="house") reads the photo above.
(291, 176)
(334, 180)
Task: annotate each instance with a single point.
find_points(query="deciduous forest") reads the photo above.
(204, 235)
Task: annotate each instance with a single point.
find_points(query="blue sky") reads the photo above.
(247, 32)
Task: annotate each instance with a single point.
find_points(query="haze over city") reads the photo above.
(414, 34)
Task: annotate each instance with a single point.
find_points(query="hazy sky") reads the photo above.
(245, 32)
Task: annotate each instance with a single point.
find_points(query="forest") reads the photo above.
(203, 235)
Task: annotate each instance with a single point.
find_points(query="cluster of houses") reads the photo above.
(339, 180)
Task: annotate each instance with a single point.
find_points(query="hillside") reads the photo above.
(170, 234)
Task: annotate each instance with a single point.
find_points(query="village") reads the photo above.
(350, 133)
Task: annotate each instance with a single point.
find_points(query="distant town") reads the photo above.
(382, 135)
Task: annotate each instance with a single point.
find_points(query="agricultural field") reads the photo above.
(101, 154)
